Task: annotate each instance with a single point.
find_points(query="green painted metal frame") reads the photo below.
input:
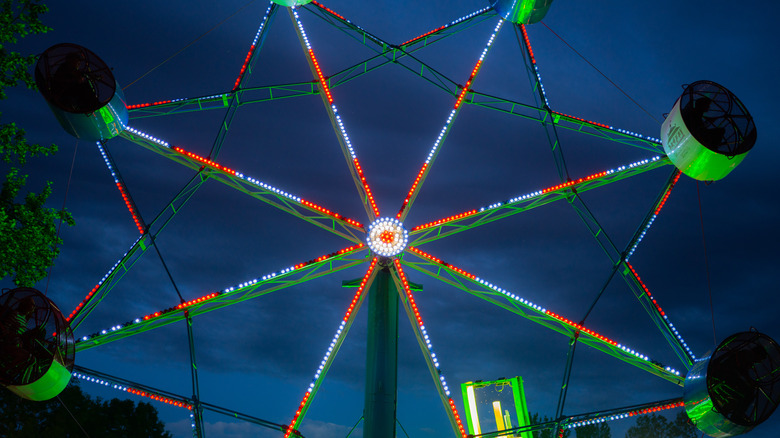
(113, 380)
(424, 349)
(487, 216)
(387, 54)
(518, 394)
(334, 225)
(326, 267)
(457, 280)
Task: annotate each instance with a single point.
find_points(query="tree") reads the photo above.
(21, 418)
(599, 430)
(28, 231)
(658, 426)
(547, 433)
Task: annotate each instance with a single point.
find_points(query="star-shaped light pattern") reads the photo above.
(386, 237)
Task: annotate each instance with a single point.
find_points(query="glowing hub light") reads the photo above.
(387, 237)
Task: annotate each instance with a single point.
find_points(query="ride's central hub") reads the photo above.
(387, 237)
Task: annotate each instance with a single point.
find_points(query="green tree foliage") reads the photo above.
(658, 426)
(599, 430)
(21, 418)
(28, 231)
(547, 433)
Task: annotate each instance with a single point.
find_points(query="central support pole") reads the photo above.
(381, 358)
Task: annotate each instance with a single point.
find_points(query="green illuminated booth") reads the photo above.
(496, 405)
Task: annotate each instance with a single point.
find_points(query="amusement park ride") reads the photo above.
(707, 133)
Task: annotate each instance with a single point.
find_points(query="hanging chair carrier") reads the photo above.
(36, 345)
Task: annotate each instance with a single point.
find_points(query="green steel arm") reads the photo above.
(341, 334)
(244, 291)
(389, 54)
(248, 95)
(303, 209)
(436, 230)
(404, 294)
(481, 289)
(366, 197)
(124, 384)
(571, 123)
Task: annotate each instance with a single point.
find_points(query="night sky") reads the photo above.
(259, 357)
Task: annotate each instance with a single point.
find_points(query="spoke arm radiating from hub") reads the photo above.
(405, 294)
(294, 205)
(291, 276)
(480, 216)
(434, 152)
(243, 75)
(333, 348)
(491, 293)
(162, 396)
(367, 198)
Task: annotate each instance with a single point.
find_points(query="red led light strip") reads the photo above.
(573, 182)
(290, 428)
(323, 83)
(408, 291)
(451, 267)
(644, 287)
(350, 309)
(205, 161)
(359, 292)
(528, 43)
(581, 328)
(656, 409)
(468, 84)
(327, 256)
(446, 219)
(332, 214)
(160, 398)
(332, 12)
(583, 120)
(425, 35)
(370, 196)
(411, 191)
(243, 67)
(131, 208)
(420, 323)
(549, 313)
(666, 195)
(216, 294)
(144, 105)
(457, 418)
(182, 305)
(82, 303)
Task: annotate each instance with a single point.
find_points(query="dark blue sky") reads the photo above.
(259, 357)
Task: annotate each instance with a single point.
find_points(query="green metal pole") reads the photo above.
(381, 359)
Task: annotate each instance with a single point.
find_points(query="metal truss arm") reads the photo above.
(477, 217)
(491, 293)
(333, 348)
(572, 123)
(300, 208)
(417, 184)
(288, 277)
(420, 332)
(124, 385)
(353, 164)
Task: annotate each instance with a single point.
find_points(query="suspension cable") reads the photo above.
(62, 212)
(602, 74)
(72, 416)
(189, 44)
(706, 265)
